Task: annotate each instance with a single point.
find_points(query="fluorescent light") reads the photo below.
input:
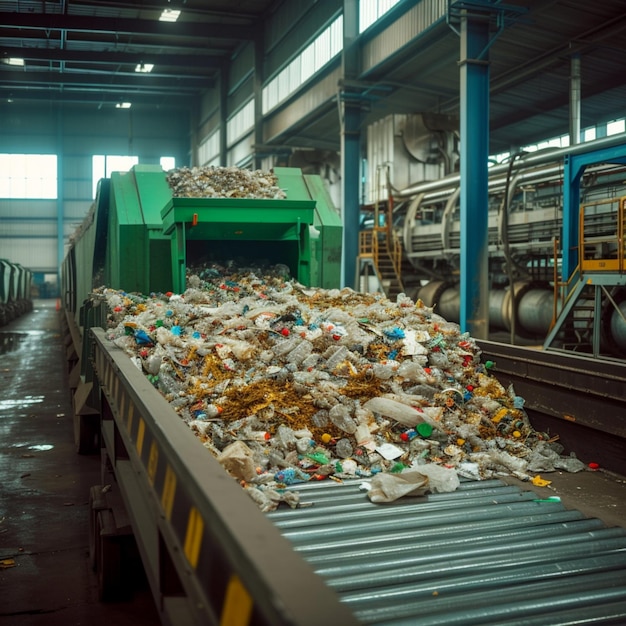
(169, 15)
(14, 61)
(144, 68)
(123, 105)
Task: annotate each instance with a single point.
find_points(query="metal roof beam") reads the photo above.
(98, 97)
(141, 82)
(201, 30)
(200, 61)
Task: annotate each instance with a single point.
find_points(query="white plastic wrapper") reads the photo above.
(415, 481)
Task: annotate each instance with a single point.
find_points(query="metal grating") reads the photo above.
(489, 553)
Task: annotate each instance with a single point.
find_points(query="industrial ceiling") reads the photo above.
(88, 51)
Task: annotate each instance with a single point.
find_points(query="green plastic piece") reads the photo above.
(318, 457)
(424, 429)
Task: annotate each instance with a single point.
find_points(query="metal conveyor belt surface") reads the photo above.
(488, 553)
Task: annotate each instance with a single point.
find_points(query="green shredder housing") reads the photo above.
(137, 253)
(152, 236)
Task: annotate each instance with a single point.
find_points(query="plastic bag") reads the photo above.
(415, 481)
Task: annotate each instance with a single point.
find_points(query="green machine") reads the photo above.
(151, 237)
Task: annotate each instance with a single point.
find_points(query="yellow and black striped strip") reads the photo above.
(226, 590)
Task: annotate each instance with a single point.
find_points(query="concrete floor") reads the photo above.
(45, 575)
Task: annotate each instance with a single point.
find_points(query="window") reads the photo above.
(240, 123)
(28, 176)
(371, 11)
(589, 134)
(324, 48)
(167, 163)
(209, 149)
(617, 126)
(103, 165)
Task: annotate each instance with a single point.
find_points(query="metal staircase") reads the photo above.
(381, 251)
(587, 292)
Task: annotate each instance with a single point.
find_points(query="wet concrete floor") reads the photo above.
(45, 575)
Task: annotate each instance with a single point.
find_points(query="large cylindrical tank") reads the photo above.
(533, 306)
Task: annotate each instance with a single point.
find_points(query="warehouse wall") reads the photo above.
(286, 32)
(29, 228)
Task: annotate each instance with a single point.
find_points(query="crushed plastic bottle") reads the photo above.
(339, 415)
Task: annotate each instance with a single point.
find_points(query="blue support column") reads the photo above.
(571, 211)
(350, 110)
(474, 313)
(574, 167)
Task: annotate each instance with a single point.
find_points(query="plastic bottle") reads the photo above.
(320, 419)
(409, 435)
(340, 416)
(343, 448)
(337, 356)
(310, 361)
(285, 437)
(410, 370)
(300, 352)
(396, 410)
(383, 371)
(283, 347)
(304, 445)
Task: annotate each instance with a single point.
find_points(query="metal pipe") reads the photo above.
(534, 307)
(575, 101)
(533, 159)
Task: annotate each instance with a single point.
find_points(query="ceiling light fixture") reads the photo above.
(14, 61)
(169, 15)
(144, 68)
(123, 105)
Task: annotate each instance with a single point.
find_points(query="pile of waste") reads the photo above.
(223, 182)
(286, 384)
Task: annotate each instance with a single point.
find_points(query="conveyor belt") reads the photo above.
(580, 398)
(488, 553)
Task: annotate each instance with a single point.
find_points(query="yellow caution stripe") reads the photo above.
(153, 461)
(141, 431)
(193, 537)
(237, 604)
(169, 491)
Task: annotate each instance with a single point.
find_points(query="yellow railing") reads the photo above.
(366, 245)
(370, 247)
(605, 254)
(562, 289)
(395, 252)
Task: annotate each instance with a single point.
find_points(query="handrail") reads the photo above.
(370, 247)
(562, 289)
(602, 262)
